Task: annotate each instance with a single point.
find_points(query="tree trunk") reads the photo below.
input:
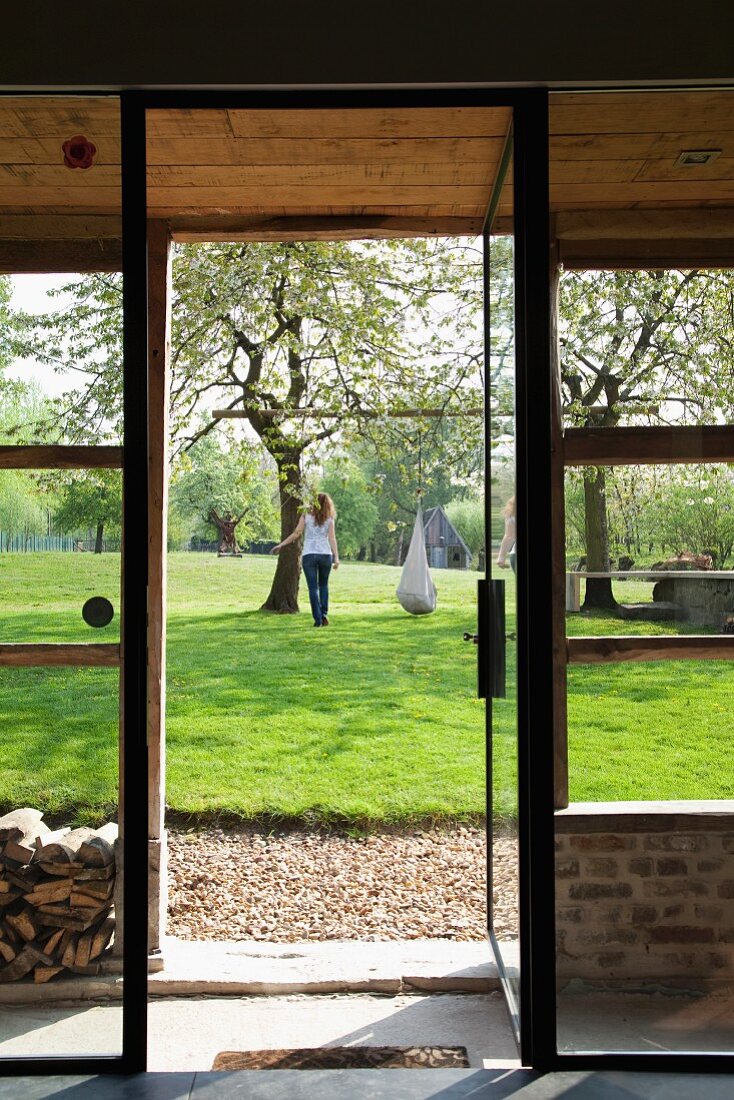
(98, 540)
(283, 597)
(598, 589)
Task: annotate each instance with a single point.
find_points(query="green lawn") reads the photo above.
(373, 718)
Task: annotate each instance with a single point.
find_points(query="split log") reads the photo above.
(46, 973)
(8, 953)
(99, 850)
(53, 891)
(102, 937)
(24, 923)
(53, 942)
(56, 897)
(18, 823)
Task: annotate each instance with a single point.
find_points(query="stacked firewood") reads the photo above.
(56, 896)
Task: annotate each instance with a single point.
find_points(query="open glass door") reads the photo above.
(498, 637)
(73, 467)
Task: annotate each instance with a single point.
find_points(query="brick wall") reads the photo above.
(645, 890)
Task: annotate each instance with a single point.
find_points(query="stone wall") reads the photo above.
(645, 890)
(707, 602)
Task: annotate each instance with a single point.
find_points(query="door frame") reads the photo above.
(529, 107)
(133, 612)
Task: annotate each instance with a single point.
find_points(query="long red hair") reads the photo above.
(323, 509)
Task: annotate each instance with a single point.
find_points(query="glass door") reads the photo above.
(498, 594)
(73, 462)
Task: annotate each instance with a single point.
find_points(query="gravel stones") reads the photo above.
(297, 885)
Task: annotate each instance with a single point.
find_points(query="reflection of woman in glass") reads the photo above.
(506, 552)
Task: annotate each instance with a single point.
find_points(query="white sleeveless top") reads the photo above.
(315, 538)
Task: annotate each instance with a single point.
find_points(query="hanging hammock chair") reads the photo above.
(416, 591)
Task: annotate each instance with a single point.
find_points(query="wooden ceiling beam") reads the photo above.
(233, 228)
(47, 257)
(618, 225)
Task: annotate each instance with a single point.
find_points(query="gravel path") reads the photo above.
(291, 886)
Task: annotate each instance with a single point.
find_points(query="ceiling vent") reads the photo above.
(694, 158)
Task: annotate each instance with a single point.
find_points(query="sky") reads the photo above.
(30, 294)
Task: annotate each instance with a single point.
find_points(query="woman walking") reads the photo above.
(319, 553)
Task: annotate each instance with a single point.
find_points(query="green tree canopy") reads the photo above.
(641, 347)
(91, 499)
(357, 512)
(229, 479)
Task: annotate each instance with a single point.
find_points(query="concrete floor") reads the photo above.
(187, 1033)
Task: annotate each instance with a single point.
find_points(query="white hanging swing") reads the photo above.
(416, 590)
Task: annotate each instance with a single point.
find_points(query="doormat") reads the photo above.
(345, 1058)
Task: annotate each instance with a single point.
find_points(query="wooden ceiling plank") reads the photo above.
(373, 122)
(662, 171)
(637, 146)
(637, 113)
(318, 175)
(62, 116)
(58, 175)
(291, 151)
(78, 199)
(357, 195)
(584, 194)
(597, 172)
(205, 122)
(48, 151)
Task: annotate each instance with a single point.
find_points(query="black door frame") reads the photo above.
(133, 619)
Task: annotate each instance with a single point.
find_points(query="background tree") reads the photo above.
(693, 509)
(467, 516)
(227, 478)
(356, 509)
(91, 499)
(641, 347)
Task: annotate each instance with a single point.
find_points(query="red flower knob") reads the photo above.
(79, 152)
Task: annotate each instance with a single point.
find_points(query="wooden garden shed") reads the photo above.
(445, 547)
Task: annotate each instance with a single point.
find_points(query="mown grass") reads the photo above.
(373, 719)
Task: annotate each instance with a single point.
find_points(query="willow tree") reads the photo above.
(269, 330)
(642, 347)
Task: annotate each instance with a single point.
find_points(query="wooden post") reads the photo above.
(159, 337)
(558, 557)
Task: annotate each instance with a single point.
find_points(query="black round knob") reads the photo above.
(98, 611)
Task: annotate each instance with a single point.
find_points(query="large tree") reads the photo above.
(650, 347)
(267, 329)
(91, 499)
(222, 476)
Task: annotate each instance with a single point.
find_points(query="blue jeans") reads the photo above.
(317, 568)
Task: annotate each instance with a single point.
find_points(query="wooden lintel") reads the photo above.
(41, 654)
(646, 255)
(44, 257)
(659, 647)
(645, 446)
(233, 228)
(60, 227)
(691, 223)
(60, 458)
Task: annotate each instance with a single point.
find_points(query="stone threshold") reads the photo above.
(197, 968)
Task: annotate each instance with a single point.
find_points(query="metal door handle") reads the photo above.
(471, 637)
